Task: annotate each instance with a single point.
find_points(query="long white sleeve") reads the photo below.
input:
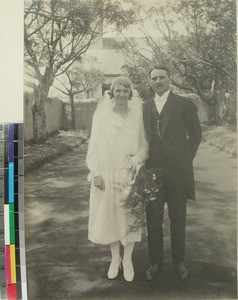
(92, 159)
(142, 152)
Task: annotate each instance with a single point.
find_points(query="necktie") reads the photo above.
(159, 125)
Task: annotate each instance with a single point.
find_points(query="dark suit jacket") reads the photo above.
(180, 135)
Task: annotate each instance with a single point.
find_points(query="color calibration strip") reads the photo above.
(12, 240)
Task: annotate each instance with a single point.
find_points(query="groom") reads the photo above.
(174, 134)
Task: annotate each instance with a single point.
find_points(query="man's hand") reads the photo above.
(99, 182)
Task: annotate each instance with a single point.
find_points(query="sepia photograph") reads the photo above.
(130, 147)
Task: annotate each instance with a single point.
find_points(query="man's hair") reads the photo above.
(160, 67)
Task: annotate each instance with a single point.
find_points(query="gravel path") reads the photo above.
(63, 264)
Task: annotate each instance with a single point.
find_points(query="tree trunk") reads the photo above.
(212, 113)
(39, 116)
(232, 108)
(73, 124)
(222, 107)
(213, 108)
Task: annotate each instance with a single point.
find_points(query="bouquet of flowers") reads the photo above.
(143, 188)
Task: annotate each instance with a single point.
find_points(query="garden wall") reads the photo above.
(54, 112)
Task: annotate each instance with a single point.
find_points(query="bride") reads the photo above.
(117, 144)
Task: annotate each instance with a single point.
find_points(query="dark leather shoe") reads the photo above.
(153, 271)
(181, 271)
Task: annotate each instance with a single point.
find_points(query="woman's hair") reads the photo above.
(121, 80)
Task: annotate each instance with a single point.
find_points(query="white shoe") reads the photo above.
(128, 270)
(114, 268)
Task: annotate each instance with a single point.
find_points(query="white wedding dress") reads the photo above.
(112, 139)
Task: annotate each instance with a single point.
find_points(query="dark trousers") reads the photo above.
(177, 215)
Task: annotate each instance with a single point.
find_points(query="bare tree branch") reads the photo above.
(31, 85)
(61, 90)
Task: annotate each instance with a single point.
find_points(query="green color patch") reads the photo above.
(12, 224)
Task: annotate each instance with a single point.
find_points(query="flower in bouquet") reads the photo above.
(137, 193)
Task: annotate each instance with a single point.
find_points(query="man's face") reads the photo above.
(159, 81)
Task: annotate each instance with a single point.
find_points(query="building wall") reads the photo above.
(84, 115)
(28, 118)
(84, 111)
(54, 112)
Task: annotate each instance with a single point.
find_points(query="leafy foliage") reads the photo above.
(79, 80)
(136, 194)
(56, 34)
(196, 39)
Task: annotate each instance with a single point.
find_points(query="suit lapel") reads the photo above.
(167, 111)
(148, 119)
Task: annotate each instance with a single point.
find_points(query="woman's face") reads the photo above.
(121, 94)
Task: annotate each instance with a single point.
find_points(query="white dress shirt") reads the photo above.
(161, 100)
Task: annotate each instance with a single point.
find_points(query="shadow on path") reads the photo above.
(63, 264)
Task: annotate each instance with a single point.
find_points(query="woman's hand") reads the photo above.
(99, 182)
